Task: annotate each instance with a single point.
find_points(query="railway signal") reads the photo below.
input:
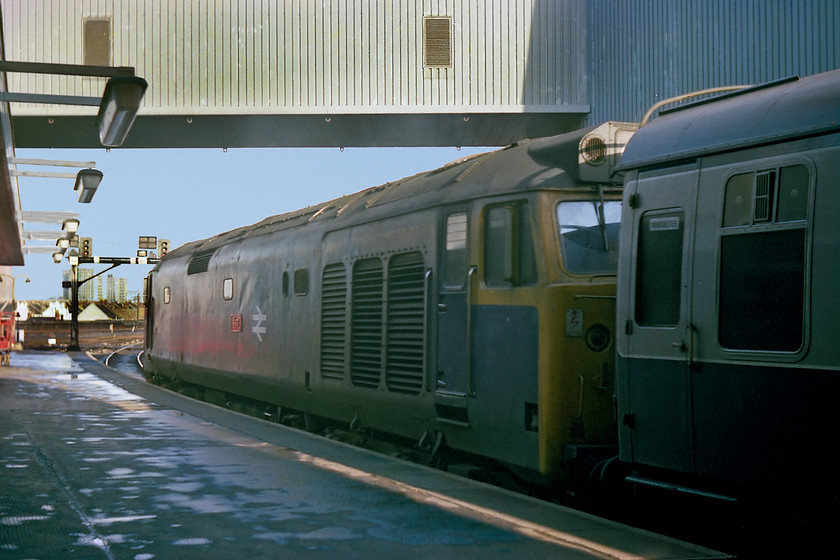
(148, 242)
(162, 247)
(85, 247)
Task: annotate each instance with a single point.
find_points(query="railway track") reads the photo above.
(126, 359)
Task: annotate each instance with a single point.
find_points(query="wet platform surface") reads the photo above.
(99, 464)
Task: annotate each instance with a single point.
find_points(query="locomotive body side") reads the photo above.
(471, 305)
(728, 369)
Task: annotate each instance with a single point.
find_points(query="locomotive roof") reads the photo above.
(545, 163)
(769, 113)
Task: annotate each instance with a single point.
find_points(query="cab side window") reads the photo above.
(455, 250)
(509, 255)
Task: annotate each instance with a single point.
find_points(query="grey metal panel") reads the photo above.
(645, 51)
(254, 56)
(311, 58)
(520, 59)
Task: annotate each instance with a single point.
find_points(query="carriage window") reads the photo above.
(794, 182)
(767, 196)
(737, 208)
(227, 288)
(589, 235)
(659, 268)
(762, 291)
(166, 294)
(763, 248)
(509, 258)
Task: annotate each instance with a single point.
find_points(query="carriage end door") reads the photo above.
(655, 417)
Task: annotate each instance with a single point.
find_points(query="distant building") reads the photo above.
(22, 311)
(87, 291)
(97, 312)
(57, 310)
(122, 290)
(110, 289)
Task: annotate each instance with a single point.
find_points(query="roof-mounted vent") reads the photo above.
(200, 261)
(594, 151)
(601, 149)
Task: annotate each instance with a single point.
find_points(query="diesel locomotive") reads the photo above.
(469, 308)
(488, 306)
(727, 324)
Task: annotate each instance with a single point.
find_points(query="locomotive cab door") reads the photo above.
(149, 313)
(655, 335)
(452, 381)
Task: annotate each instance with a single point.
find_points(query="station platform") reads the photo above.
(96, 463)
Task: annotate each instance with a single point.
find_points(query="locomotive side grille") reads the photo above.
(200, 261)
(404, 364)
(333, 317)
(366, 323)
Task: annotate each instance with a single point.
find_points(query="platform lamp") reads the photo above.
(118, 105)
(87, 181)
(71, 225)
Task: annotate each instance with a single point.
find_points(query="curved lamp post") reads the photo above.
(13, 278)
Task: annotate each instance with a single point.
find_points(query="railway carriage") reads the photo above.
(470, 307)
(727, 300)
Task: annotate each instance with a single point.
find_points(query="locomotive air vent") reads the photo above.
(405, 333)
(764, 185)
(601, 149)
(333, 318)
(200, 261)
(595, 150)
(366, 323)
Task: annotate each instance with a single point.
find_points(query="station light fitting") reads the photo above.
(120, 103)
(142, 253)
(58, 257)
(15, 278)
(62, 243)
(87, 181)
(71, 226)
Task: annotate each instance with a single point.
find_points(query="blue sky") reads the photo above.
(189, 194)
